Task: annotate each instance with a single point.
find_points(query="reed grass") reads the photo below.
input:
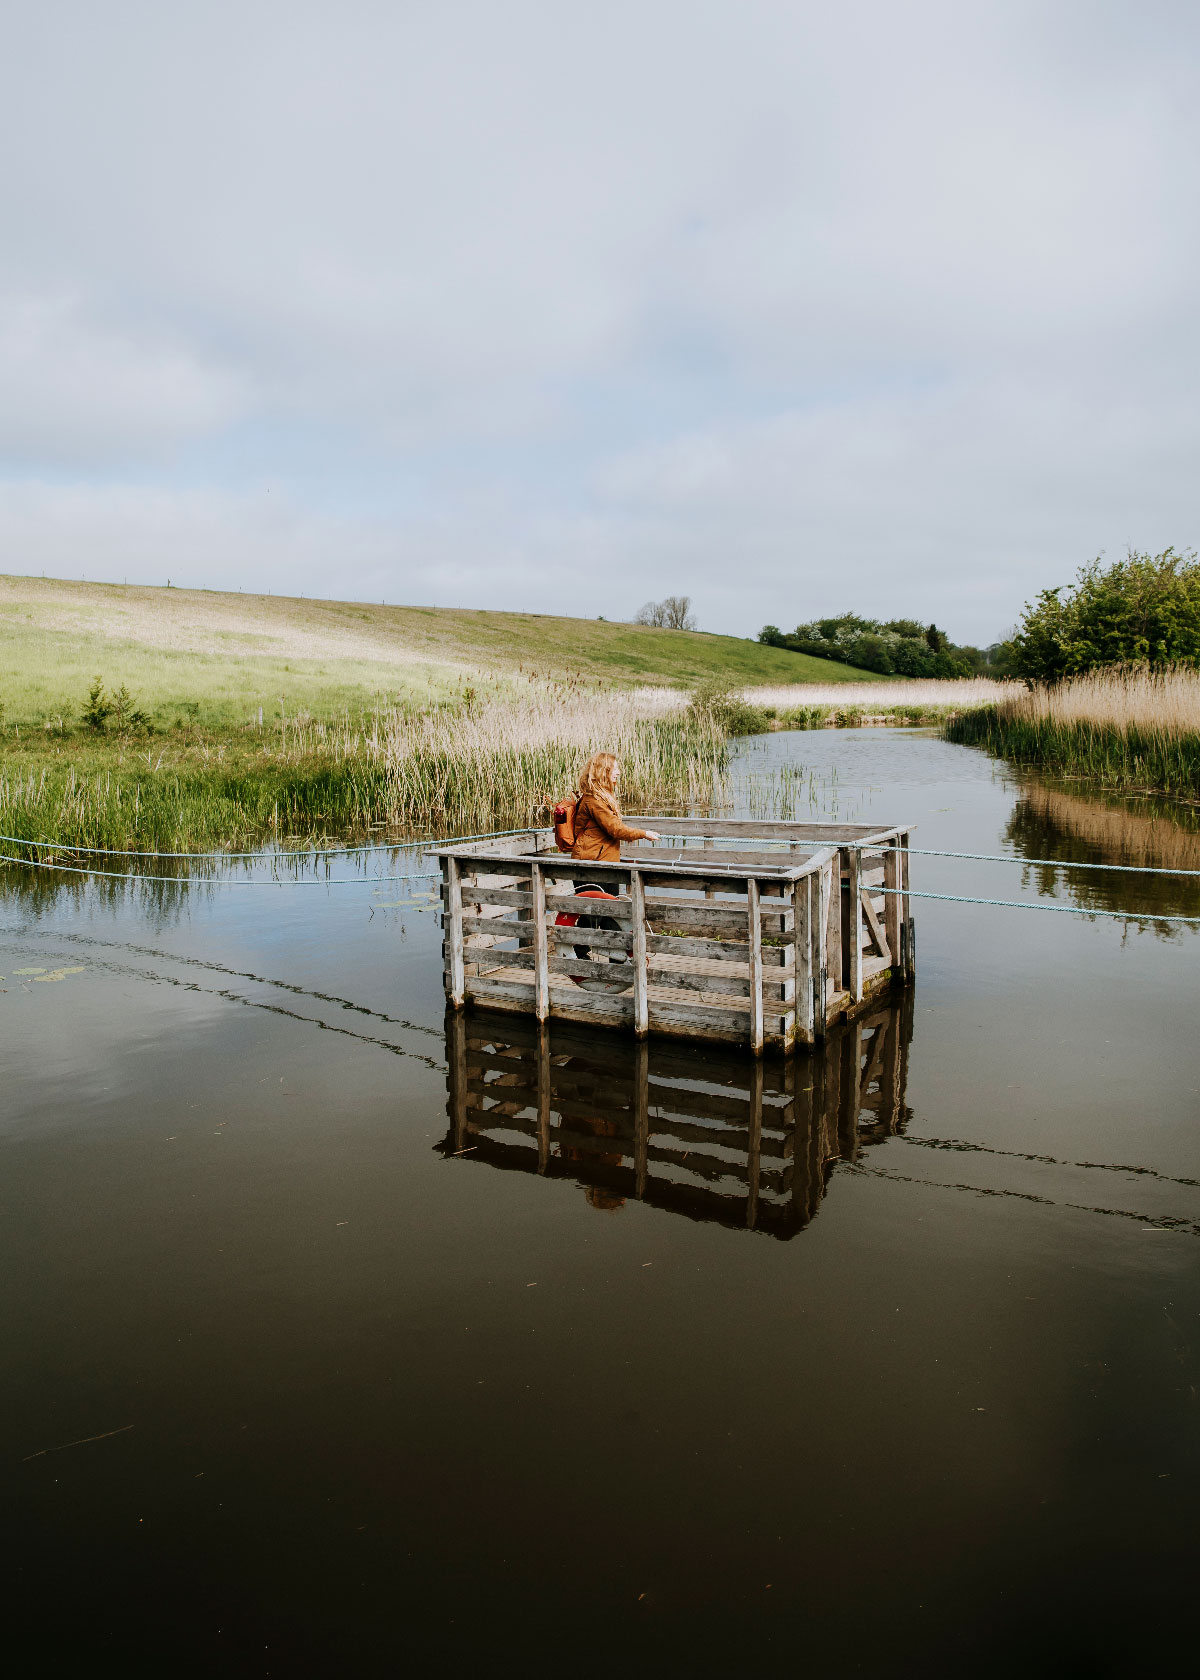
(1125, 727)
(851, 705)
(482, 763)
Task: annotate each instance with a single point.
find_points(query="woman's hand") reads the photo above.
(651, 835)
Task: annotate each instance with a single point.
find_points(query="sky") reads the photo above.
(791, 307)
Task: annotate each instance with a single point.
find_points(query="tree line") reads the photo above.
(1143, 610)
(901, 647)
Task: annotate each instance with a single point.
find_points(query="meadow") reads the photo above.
(1123, 727)
(209, 659)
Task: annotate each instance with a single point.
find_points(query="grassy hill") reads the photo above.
(213, 658)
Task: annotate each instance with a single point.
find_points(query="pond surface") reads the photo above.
(308, 1367)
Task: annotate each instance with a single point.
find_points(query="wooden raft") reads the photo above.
(757, 933)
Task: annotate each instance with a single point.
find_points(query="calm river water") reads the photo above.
(291, 1385)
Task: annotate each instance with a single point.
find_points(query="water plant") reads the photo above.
(1126, 726)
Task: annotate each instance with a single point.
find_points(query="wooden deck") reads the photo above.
(749, 932)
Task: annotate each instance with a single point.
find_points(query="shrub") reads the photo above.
(1144, 610)
(103, 709)
(728, 708)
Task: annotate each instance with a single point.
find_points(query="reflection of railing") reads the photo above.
(704, 1133)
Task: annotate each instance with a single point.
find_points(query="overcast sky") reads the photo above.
(794, 307)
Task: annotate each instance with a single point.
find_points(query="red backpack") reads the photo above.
(564, 822)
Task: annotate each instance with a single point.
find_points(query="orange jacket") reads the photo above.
(599, 832)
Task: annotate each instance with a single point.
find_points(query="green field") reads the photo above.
(212, 659)
(300, 721)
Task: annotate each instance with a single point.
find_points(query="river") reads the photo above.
(302, 1373)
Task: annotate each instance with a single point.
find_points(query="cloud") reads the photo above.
(891, 303)
(77, 392)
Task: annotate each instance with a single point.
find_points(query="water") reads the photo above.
(362, 1399)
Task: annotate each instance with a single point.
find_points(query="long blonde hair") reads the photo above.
(596, 779)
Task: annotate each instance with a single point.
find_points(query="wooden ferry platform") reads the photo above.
(758, 933)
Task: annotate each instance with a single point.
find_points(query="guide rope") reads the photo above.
(1009, 857)
(265, 852)
(1028, 904)
(217, 880)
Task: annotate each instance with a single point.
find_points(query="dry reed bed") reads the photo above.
(918, 694)
(1127, 727)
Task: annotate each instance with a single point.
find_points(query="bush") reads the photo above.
(1144, 610)
(103, 709)
(728, 708)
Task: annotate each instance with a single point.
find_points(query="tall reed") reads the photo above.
(487, 763)
(1126, 727)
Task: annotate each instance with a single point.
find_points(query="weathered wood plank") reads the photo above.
(541, 978)
(510, 897)
(891, 903)
(852, 899)
(875, 933)
(454, 930)
(637, 903)
(572, 1004)
(618, 909)
(802, 901)
(597, 939)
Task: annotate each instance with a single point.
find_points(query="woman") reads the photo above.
(599, 829)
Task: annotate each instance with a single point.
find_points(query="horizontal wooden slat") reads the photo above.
(512, 897)
(618, 909)
(572, 1003)
(596, 939)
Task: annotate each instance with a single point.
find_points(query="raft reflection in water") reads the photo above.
(703, 1132)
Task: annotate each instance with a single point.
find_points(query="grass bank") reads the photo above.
(1125, 728)
(491, 762)
(214, 659)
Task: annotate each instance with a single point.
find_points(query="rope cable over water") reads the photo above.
(1009, 857)
(216, 880)
(433, 874)
(1028, 904)
(265, 852)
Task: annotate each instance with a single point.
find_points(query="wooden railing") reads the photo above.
(709, 936)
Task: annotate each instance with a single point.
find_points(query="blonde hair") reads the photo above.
(596, 778)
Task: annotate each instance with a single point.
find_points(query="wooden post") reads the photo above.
(802, 949)
(641, 960)
(833, 924)
(755, 972)
(454, 933)
(853, 924)
(709, 892)
(821, 952)
(891, 905)
(910, 956)
(543, 1090)
(541, 961)
(641, 1116)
